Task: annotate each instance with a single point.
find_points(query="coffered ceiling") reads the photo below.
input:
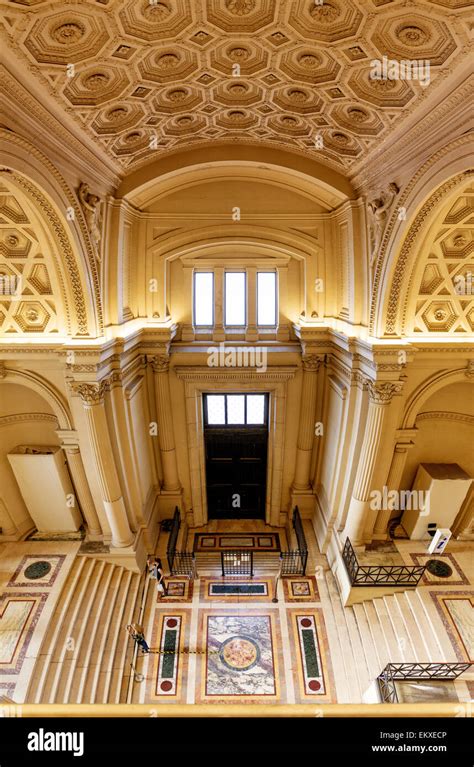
(155, 77)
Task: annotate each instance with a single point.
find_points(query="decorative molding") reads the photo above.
(7, 420)
(90, 393)
(311, 362)
(8, 136)
(379, 209)
(431, 415)
(469, 372)
(381, 393)
(242, 375)
(159, 363)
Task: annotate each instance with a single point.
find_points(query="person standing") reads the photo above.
(138, 635)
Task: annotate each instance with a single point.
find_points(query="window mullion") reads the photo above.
(251, 330)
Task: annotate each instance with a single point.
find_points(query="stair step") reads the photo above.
(391, 640)
(420, 649)
(117, 625)
(42, 667)
(368, 646)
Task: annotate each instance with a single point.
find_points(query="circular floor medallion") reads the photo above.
(439, 568)
(37, 570)
(239, 653)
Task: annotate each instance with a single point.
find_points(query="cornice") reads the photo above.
(67, 143)
(441, 415)
(242, 375)
(8, 420)
(420, 139)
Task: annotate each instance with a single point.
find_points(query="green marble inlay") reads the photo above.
(238, 588)
(37, 570)
(167, 669)
(310, 653)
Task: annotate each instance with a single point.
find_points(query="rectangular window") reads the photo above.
(235, 299)
(203, 299)
(266, 299)
(235, 409)
(215, 406)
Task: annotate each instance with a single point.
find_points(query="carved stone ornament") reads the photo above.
(90, 393)
(469, 372)
(90, 205)
(3, 370)
(382, 393)
(160, 364)
(311, 362)
(379, 209)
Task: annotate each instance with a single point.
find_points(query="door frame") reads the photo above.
(205, 380)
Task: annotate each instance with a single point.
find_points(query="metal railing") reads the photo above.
(394, 672)
(379, 575)
(237, 563)
(171, 548)
(184, 564)
(294, 561)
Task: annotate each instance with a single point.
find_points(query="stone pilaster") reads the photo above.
(171, 483)
(92, 395)
(394, 479)
(81, 486)
(380, 396)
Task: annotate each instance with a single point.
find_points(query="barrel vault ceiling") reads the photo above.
(152, 77)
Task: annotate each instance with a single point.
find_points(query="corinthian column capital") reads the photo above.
(90, 393)
(311, 362)
(381, 393)
(159, 363)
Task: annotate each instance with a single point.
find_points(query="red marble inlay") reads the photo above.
(166, 686)
(306, 623)
(171, 623)
(314, 685)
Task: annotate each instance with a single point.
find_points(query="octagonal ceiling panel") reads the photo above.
(155, 21)
(267, 72)
(66, 37)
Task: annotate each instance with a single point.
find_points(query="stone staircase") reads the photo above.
(86, 652)
(364, 637)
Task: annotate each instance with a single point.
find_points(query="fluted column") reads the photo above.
(92, 396)
(380, 396)
(81, 486)
(171, 481)
(311, 365)
(394, 479)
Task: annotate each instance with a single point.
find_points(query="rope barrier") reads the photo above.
(185, 652)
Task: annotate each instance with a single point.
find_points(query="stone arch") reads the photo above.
(443, 176)
(427, 388)
(42, 387)
(26, 172)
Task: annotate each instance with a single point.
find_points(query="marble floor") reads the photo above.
(218, 640)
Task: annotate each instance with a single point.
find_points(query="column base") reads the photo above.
(187, 333)
(167, 502)
(305, 500)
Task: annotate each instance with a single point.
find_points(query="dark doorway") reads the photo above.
(236, 441)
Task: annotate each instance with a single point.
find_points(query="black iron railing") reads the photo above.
(394, 672)
(379, 575)
(171, 548)
(184, 564)
(294, 561)
(237, 563)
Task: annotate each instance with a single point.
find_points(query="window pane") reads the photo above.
(215, 409)
(235, 408)
(203, 298)
(235, 298)
(266, 298)
(256, 409)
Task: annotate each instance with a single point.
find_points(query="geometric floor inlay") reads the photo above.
(37, 570)
(240, 659)
(19, 614)
(237, 590)
(312, 670)
(456, 609)
(300, 589)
